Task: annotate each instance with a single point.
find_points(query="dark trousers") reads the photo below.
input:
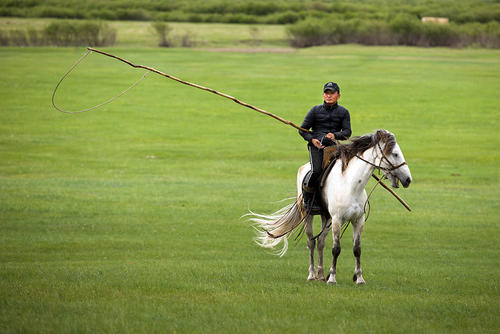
(311, 180)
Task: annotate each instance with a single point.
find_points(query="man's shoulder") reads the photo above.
(342, 109)
(317, 108)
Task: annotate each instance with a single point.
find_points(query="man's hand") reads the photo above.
(330, 136)
(317, 143)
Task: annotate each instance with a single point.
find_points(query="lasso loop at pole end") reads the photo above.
(89, 51)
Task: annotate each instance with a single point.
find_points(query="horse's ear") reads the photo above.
(377, 137)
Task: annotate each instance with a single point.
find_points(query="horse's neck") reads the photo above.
(358, 171)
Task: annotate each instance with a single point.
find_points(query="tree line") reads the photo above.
(309, 22)
(251, 11)
(404, 29)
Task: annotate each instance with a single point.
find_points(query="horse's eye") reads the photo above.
(395, 155)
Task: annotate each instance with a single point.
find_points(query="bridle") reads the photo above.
(384, 158)
(386, 170)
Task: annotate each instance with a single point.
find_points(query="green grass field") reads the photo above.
(126, 219)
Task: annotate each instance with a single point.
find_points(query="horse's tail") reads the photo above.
(276, 227)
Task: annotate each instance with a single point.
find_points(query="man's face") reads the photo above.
(331, 97)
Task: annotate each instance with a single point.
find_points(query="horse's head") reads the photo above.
(392, 160)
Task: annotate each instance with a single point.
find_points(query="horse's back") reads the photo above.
(301, 173)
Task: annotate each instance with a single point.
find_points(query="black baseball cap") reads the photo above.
(331, 86)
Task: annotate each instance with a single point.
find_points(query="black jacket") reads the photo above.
(323, 119)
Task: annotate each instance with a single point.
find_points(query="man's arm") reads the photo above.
(307, 124)
(346, 132)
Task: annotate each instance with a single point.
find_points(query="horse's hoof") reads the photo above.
(331, 280)
(311, 277)
(321, 278)
(360, 281)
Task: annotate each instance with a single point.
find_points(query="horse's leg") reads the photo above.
(356, 249)
(311, 243)
(321, 245)
(335, 250)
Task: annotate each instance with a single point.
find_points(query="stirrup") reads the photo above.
(310, 203)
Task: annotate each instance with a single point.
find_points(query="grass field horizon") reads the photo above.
(128, 218)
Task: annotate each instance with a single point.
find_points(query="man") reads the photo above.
(329, 122)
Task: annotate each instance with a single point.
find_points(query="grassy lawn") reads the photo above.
(127, 218)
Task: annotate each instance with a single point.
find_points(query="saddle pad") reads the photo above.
(329, 157)
(329, 153)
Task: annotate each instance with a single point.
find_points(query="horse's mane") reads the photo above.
(357, 145)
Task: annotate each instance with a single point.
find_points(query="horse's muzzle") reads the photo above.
(406, 182)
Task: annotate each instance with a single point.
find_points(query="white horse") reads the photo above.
(344, 197)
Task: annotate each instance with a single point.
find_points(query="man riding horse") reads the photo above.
(329, 121)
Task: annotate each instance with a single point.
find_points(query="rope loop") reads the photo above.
(96, 106)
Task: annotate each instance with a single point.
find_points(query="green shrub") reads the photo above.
(435, 34)
(62, 12)
(373, 32)
(485, 35)
(162, 30)
(187, 40)
(402, 30)
(344, 31)
(133, 15)
(18, 38)
(407, 29)
(64, 33)
(5, 11)
(309, 32)
(103, 14)
(35, 37)
(61, 34)
(286, 18)
(260, 8)
(239, 18)
(4, 38)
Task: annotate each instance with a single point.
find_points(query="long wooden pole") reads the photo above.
(392, 192)
(200, 87)
(233, 99)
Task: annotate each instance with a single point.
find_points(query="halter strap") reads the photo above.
(383, 168)
(383, 158)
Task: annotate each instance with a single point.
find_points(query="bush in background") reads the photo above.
(403, 29)
(162, 30)
(407, 29)
(62, 33)
(434, 34)
(309, 32)
(66, 33)
(485, 35)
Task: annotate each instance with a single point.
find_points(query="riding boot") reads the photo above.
(311, 201)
